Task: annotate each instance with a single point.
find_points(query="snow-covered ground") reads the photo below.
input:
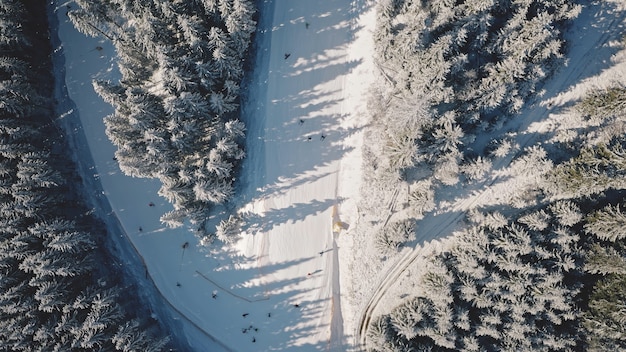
(280, 287)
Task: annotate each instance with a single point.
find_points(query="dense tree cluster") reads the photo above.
(502, 287)
(599, 170)
(553, 279)
(176, 105)
(593, 171)
(396, 235)
(455, 68)
(56, 294)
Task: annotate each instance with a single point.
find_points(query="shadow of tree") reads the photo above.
(263, 223)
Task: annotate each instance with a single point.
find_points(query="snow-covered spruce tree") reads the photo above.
(176, 106)
(603, 103)
(604, 260)
(567, 212)
(395, 235)
(421, 198)
(130, 337)
(228, 230)
(607, 224)
(51, 295)
(508, 287)
(11, 26)
(593, 171)
(604, 319)
(475, 169)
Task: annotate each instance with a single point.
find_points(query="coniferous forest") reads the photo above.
(59, 290)
(177, 102)
(544, 270)
(545, 273)
(455, 71)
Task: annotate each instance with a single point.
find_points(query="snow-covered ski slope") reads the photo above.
(279, 288)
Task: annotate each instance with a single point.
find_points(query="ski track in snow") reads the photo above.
(291, 191)
(589, 55)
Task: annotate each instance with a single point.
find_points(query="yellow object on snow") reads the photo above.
(337, 226)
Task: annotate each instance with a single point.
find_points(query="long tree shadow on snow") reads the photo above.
(291, 315)
(284, 311)
(296, 131)
(295, 212)
(303, 106)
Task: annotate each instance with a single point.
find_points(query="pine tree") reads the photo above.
(129, 337)
(34, 169)
(401, 151)
(607, 224)
(51, 295)
(228, 230)
(604, 260)
(566, 212)
(536, 221)
(476, 169)
(403, 322)
(448, 136)
(447, 169)
(71, 242)
(421, 198)
(604, 322)
(213, 190)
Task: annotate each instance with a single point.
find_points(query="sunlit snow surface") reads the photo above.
(299, 177)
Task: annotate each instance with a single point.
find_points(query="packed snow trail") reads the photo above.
(591, 41)
(278, 288)
(291, 194)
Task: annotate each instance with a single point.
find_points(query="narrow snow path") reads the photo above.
(291, 199)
